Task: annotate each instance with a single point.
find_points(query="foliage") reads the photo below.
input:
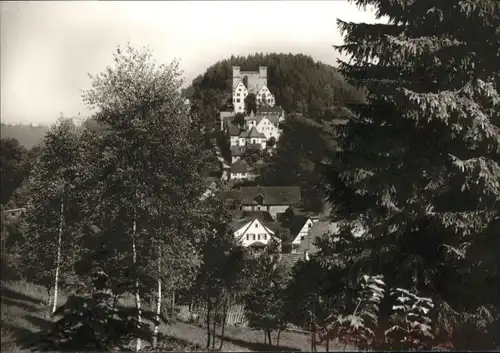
(12, 171)
(250, 103)
(418, 165)
(265, 298)
(411, 321)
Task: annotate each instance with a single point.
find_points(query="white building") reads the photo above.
(254, 230)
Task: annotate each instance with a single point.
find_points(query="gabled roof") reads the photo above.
(263, 216)
(232, 129)
(318, 230)
(237, 151)
(240, 166)
(296, 224)
(274, 119)
(273, 195)
(254, 133)
(242, 84)
(276, 110)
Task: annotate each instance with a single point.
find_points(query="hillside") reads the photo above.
(298, 82)
(27, 135)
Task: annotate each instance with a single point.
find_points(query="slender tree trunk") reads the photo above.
(58, 260)
(49, 307)
(269, 338)
(223, 323)
(328, 345)
(173, 304)
(158, 301)
(209, 334)
(278, 338)
(214, 324)
(137, 293)
(265, 336)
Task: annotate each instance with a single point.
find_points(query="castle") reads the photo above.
(247, 82)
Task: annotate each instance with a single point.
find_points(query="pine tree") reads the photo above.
(419, 164)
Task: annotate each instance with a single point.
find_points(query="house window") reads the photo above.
(237, 100)
(237, 94)
(254, 237)
(248, 237)
(310, 225)
(256, 225)
(265, 236)
(258, 237)
(301, 237)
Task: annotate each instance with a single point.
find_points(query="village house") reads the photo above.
(246, 82)
(237, 152)
(240, 170)
(266, 125)
(253, 137)
(299, 228)
(273, 199)
(233, 132)
(255, 230)
(265, 97)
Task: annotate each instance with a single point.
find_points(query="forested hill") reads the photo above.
(298, 82)
(27, 135)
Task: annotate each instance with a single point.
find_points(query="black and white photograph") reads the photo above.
(244, 176)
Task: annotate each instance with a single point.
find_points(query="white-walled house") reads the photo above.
(269, 127)
(265, 97)
(240, 92)
(301, 229)
(254, 230)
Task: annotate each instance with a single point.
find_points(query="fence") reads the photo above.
(235, 315)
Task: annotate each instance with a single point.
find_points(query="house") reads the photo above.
(299, 228)
(273, 199)
(271, 111)
(225, 117)
(240, 92)
(241, 171)
(233, 132)
(252, 136)
(237, 152)
(255, 229)
(269, 126)
(265, 97)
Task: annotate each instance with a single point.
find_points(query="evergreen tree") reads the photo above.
(419, 168)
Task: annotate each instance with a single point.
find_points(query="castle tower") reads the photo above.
(263, 72)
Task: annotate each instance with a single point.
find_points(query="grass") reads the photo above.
(24, 309)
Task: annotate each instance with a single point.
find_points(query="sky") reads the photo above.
(48, 48)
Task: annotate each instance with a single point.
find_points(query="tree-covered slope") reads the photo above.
(298, 82)
(27, 135)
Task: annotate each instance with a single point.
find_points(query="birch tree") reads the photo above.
(51, 208)
(151, 161)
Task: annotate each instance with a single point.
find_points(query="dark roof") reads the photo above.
(254, 133)
(272, 195)
(262, 216)
(257, 244)
(240, 166)
(296, 223)
(266, 109)
(243, 217)
(237, 150)
(254, 146)
(232, 129)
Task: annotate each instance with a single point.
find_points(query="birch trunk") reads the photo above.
(137, 293)
(58, 260)
(158, 302)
